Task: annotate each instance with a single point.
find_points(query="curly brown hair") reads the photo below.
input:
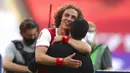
(58, 15)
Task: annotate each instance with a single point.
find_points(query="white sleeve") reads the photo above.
(10, 51)
(44, 38)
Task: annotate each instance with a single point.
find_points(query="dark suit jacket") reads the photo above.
(64, 50)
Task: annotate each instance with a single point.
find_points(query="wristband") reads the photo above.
(59, 61)
(65, 39)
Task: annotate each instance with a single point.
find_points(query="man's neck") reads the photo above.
(62, 31)
(92, 45)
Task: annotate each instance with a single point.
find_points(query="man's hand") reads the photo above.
(57, 39)
(29, 71)
(69, 62)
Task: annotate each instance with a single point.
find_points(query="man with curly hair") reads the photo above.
(78, 31)
(64, 17)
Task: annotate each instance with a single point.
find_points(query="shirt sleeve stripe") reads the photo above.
(41, 46)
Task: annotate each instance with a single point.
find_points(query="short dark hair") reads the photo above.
(60, 12)
(28, 24)
(79, 29)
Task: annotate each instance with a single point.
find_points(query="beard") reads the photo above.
(29, 41)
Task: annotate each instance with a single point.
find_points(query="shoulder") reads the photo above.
(10, 49)
(11, 44)
(105, 48)
(45, 36)
(101, 45)
(15, 43)
(46, 31)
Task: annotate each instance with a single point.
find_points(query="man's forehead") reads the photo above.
(71, 11)
(30, 31)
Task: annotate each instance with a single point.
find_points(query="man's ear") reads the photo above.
(21, 33)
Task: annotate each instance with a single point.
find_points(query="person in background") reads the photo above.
(100, 55)
(0, 64)
(19, 53)
(63, 18)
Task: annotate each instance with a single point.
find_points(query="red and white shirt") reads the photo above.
(46, 36)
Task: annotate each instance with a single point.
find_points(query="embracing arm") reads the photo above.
(80, 45)
(42, 58)
(41, 49)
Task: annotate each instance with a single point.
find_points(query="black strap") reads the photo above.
(95, 47)
(19, 46)
(26, 55)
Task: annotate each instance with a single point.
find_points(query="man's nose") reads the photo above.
(33, 36)
(69, 18)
